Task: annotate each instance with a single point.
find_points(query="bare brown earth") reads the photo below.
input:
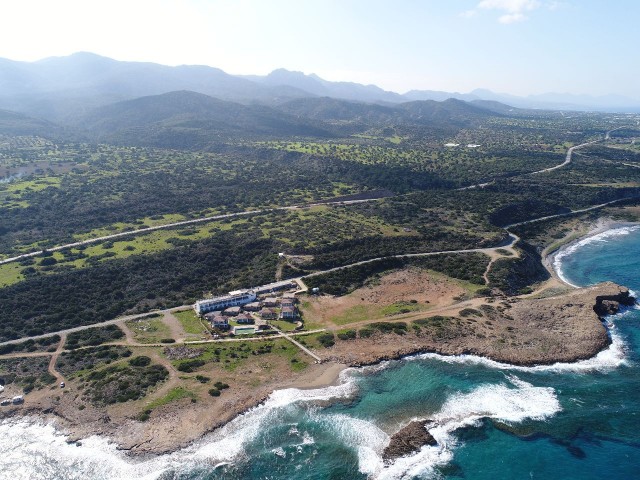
(516, 331)
(180, 422)
(430, 290)
(522, 331)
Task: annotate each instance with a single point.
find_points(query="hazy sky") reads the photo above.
(512, 46)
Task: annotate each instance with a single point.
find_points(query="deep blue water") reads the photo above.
(492, 421)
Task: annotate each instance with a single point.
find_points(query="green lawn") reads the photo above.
(190, 322)
(284, 325)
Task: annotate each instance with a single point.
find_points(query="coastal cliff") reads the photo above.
(518, 331)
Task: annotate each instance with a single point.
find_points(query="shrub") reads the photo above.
(189, 366)
(214, 392)
(347, 335)
(141, 361)
(365, 332)
(399, 328)
(467, 312)
(327, 340)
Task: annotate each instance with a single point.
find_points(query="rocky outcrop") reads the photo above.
(408, 440)
(519, 331)
(610, 304)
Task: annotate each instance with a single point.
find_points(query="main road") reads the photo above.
(567, 161)
(488, 250)
(264, 210)
(182, 223)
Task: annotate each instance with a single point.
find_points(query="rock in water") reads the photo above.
(408, 440)
(610, 304)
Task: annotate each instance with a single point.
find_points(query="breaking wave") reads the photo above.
(32, 450)
(511, 402)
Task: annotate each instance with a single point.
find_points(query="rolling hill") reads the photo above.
(185, 119)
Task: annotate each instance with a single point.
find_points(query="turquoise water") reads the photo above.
(492, 421)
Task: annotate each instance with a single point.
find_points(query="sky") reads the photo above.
(519, 47)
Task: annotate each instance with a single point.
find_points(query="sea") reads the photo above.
(491, 420)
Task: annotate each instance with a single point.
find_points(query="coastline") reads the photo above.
(551, 258)
(178, 432)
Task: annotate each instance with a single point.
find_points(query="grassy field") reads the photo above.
(149, 330)
(175, 394)
(190, 322)
(284, 325)
(360, 313)
(237, 355)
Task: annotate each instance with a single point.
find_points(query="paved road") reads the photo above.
(566, 162)
(101, 324)
(174, 225)
(567, 159)
(513, 240)
(572, 212)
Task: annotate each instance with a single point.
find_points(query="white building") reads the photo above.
(233, 299)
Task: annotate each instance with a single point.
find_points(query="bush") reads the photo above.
(327, 340)
(214, 392)
(347, 335)
(167, 340)
(399, 328)
(93, 336)
(46, 262)
(189, 366)
(468, 312)
(141, 361)
(365, 332)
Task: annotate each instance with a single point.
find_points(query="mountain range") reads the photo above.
(64, 89)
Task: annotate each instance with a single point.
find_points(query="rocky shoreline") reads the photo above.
(521, 332)
(566, 328)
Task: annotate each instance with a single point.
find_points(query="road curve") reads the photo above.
(566, 162)
(513, 240)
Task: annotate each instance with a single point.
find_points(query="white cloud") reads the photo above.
(513, 10)
(510, 6)
(511, 18)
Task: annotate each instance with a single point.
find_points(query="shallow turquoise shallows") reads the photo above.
(492, 421)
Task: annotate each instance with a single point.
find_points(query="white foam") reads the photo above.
(602, 237)
(279, 451)
(32, 450)
(362, 435)
(512, 404)
(229, 441)
(609, 359)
